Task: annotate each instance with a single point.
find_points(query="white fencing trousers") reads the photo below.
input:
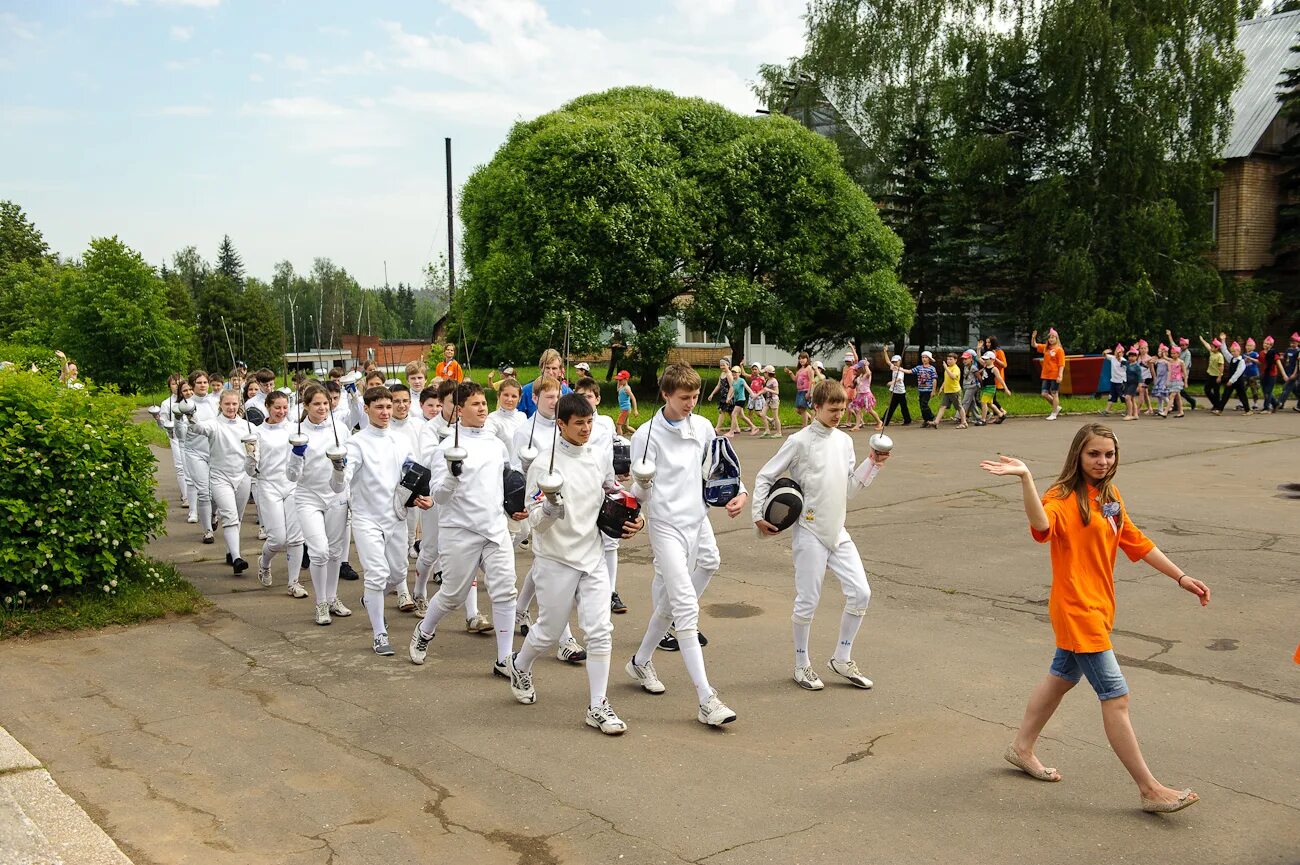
(230, 495)
(427, 563)
(197, 476)
(672, 591)
(279, 512)
(382, 552)
(463, 552)
(178, 462)
(610, 546)
(325, 530)
(812, 559)
(558, 588)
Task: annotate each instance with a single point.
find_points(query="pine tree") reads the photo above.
(229, 264)
(1286, 240)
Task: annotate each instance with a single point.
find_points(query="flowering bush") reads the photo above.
(76, 488)
(25, 356)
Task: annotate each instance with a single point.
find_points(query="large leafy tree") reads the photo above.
(19, 238)
(634, 205)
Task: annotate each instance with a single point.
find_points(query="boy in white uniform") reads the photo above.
(673, 502)
(569, 562)
(820, 459)
(472, 527)
(427, 565)
(603, 434)
(406, 423)
(371, 476)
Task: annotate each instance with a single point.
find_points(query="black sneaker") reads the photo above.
(306, 559)
(229, 559)
(704, 641)
(499, 669)
(346, 572)
(669, 643)
(239, 565)
(616, 604)
(436, 578)
(382, 647)
(417, 546)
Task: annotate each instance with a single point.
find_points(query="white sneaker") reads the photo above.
(261, 533)
(296, 591)
(808, 679)
(421, 607)
(849, 670)
(1052, 416)
(478, 625)
(405, 602)
(714, 712)
(602, 717)
(645, 675)
(521, 683)
(412, 553)
(571, 652)
(337, 608)
(419, 645)
(322, 613)
(192, 518)
(264, 575)
(523, 622)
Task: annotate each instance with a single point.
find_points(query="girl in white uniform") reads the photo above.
(275, 494)
(431, 435)
(167, 421)
(198, 451)
(231, 463)
(322, 511)
(406, 424)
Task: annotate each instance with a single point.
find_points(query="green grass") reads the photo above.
(144, 400)
(160, 590)
(156, 435)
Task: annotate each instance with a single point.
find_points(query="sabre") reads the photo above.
(643, 470)
(229, 346)
(552, 482)
(456, 455)
(528, 453)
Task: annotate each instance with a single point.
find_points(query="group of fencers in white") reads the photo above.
(449, 472)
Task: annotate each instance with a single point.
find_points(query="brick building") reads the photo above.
(392, 355)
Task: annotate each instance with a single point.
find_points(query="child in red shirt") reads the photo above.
(1082, 606)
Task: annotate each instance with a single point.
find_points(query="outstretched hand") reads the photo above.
(1005, 465)
(1196, 587)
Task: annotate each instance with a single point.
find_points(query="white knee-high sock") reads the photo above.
(205, 515)
(375, 610)
(566, 636)
(421, 587)
(471, 602)
(295, 563)
(693, 656)
(849, 625)
(231, 536)
(597, 678)
(526, 655)
(802, 630)
(503, 612)
(429, 624)
(611, 565)
(320, 582)
(267, 555)
(331, 592)
(654, 632)
(526, 592)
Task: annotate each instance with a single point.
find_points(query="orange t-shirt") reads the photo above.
(1053, 360)
(1082, 604)
(449, 369)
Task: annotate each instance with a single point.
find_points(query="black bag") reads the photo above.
(619, 507)
(415, 480)
(514, 485)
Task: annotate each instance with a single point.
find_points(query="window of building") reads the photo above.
(699, 336)
(1214, 216)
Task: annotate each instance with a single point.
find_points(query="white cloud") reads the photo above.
(352, 160)
(185, 111)
(491, 108)
(181, 65)
(31, 114)
(180, 33)
(263, 57)
(296, 107)
(255, 78)
(309, 123)
(296, 62)
(27, 31)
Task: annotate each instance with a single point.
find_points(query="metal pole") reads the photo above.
(451, 235)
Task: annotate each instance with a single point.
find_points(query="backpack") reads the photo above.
(721, 473)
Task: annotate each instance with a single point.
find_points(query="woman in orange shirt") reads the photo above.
(1053, 369)
(1083, 518)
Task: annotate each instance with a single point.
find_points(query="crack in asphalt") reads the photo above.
(755, 841)
(862, 754)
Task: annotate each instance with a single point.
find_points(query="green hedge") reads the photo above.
(77, 483)
(23, 356)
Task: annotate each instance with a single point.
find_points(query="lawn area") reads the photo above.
(159, 589)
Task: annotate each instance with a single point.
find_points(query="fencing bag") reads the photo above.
(514, 486)
(721, 473)
(619, 507)
(622, 456)
(415, 481)
(255, 415)
(784, 504)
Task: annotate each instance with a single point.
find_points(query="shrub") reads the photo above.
(76, 486)
(23, 356)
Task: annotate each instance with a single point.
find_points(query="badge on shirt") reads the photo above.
(1110, 510)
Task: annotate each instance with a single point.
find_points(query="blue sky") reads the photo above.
(307, 129)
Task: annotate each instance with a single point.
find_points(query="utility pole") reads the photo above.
(451, 235)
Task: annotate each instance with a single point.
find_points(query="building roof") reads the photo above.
(1266, 45)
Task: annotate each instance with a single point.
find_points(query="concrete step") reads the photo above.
(21, 841)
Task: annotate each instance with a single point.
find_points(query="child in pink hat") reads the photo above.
(1185, 355)
(1269, 367)
(1289, 372)
(1234, 376)
(1177, 379)
(1213, 370)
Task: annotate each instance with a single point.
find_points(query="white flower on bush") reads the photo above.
(44, 588)
(113, 583)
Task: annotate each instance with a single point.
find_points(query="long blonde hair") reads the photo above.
(1073, 480)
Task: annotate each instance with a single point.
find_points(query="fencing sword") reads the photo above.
(338, 452)
(552, 482)
(456, 455)
(528, 452)
(644, 470)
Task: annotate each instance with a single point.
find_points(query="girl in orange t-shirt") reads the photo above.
(1084, 520)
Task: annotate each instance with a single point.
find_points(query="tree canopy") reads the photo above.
(634, 205)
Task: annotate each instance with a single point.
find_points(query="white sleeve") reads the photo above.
(781, 462)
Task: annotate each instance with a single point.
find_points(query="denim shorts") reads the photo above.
(1051, 385)
(801, 399)
(1101, 669)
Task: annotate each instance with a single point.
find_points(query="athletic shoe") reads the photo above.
(436, 578)
(230, 560)
(421, 607)
(1052, 416)
(602, 717)
(412, 553)
(347, 572)
(571, 652)
(669, 642)
(645, 675)
(296, 590)
(499, 669)
(523, 622)
(521, 683)
(849, 670)
(261, 533)
(192, 518)
(714, 712)
(704, 641)
(478, 625)
(416, 547)
(322, 613)
(306, 559)
(239, 565)
(404, 601)
(337, 609)
(264, 576)
(616, 604)
(382, 647)
(419, 645)
(808, 679)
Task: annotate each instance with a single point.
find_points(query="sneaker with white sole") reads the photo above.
(208, 538)
(192, 518)
(669, 642)
(478, 625)
(849, 670)
(405, 602)
(714, 712)
(421, 607)
(261, 533)
(645, 676)
(322, 613)
(296, 590)
(499, 669)
(521, 683)
(382, 647)
(808, 679)
(263, 576)
(1051, 416)
(419, 645)
(523, 622)
(604, 719)
(570, 651)
(337, 609)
